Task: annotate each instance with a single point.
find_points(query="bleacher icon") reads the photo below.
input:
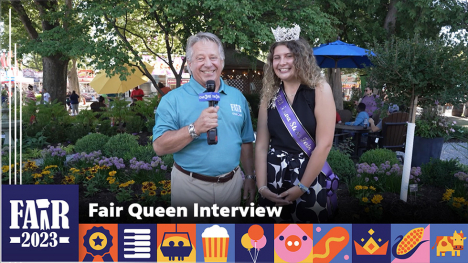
(40, 223)
(453, 244)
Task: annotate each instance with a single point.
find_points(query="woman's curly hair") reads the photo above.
(305, 64)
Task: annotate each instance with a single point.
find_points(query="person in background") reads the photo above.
(74, 101)
(67, 101)
(369, 100)
(30, 96)
(46, 96)
(137, 94)
(338, 118)
(361, 117)
(99, 105)
(206, 174)
(393, 108)
(286, 174)
(164, 89)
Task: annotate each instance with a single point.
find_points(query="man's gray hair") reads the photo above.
(202, 36)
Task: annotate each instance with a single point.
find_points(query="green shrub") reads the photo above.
(349, 105)
(378, 156)
(439, 172)
(119, 146)
(168, 160)
(134, 124)
(91, 142)
(142, 153)
(77, 131)
(254, 103)
(106, 128)
(341, 164)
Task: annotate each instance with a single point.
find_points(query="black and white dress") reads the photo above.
(286, 163)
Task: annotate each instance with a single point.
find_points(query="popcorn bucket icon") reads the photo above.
(215, 244)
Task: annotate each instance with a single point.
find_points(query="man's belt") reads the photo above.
(211, 179)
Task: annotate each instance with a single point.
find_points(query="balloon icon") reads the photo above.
(246, 242)
(260, 243)
(255, 232)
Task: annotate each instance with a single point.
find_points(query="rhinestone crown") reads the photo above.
(286, 34)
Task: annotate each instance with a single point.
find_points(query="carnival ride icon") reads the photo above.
(98, 242)
(176, 244)
(255, 239)
(371, 247)
(293, 244)
(407, 245)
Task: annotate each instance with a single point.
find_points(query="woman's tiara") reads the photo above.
(286, 34)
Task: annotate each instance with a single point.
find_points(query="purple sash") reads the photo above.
(307, 144)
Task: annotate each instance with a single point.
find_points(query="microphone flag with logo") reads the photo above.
(212, 134)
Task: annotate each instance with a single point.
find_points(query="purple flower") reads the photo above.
(436, 102)
(376, 178)
(358, 175)
(366, 179)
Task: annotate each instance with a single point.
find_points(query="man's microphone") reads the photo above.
(212, 134)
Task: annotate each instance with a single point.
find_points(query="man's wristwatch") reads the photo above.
(253, 177)
(191, 130)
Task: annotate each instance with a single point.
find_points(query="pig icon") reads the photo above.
(293, 244)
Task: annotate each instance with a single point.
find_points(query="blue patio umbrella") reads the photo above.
(340, 54)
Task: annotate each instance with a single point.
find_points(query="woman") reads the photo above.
(369, 100)
(74, 100)
(30, 96)
(285, 174)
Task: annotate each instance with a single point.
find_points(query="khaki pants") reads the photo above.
(186, 190)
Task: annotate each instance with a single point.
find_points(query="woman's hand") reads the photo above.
(291, 194)
(266, 193)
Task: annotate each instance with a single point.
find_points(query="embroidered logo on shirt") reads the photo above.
(236, 110)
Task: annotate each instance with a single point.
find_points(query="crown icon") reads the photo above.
(286, 34)
(371, 247)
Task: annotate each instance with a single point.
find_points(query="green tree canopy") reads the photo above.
(420, 72)
(127, 29)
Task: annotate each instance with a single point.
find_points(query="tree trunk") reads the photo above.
(73, 82)
(55, 76)
(334, 79)
(390, 19)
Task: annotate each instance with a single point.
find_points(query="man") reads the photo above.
(137, 94)
(98, 106)
(163, 88)
(361, 117)
(46, 95)
(375, 128)
(202, 173)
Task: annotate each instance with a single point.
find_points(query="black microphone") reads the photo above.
(212, 134)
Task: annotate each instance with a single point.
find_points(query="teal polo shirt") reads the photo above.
(181, 107)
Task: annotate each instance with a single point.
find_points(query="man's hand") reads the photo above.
(371, 121)
(249, 191)
(207, 120)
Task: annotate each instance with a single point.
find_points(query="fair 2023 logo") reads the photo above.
(40, 223)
